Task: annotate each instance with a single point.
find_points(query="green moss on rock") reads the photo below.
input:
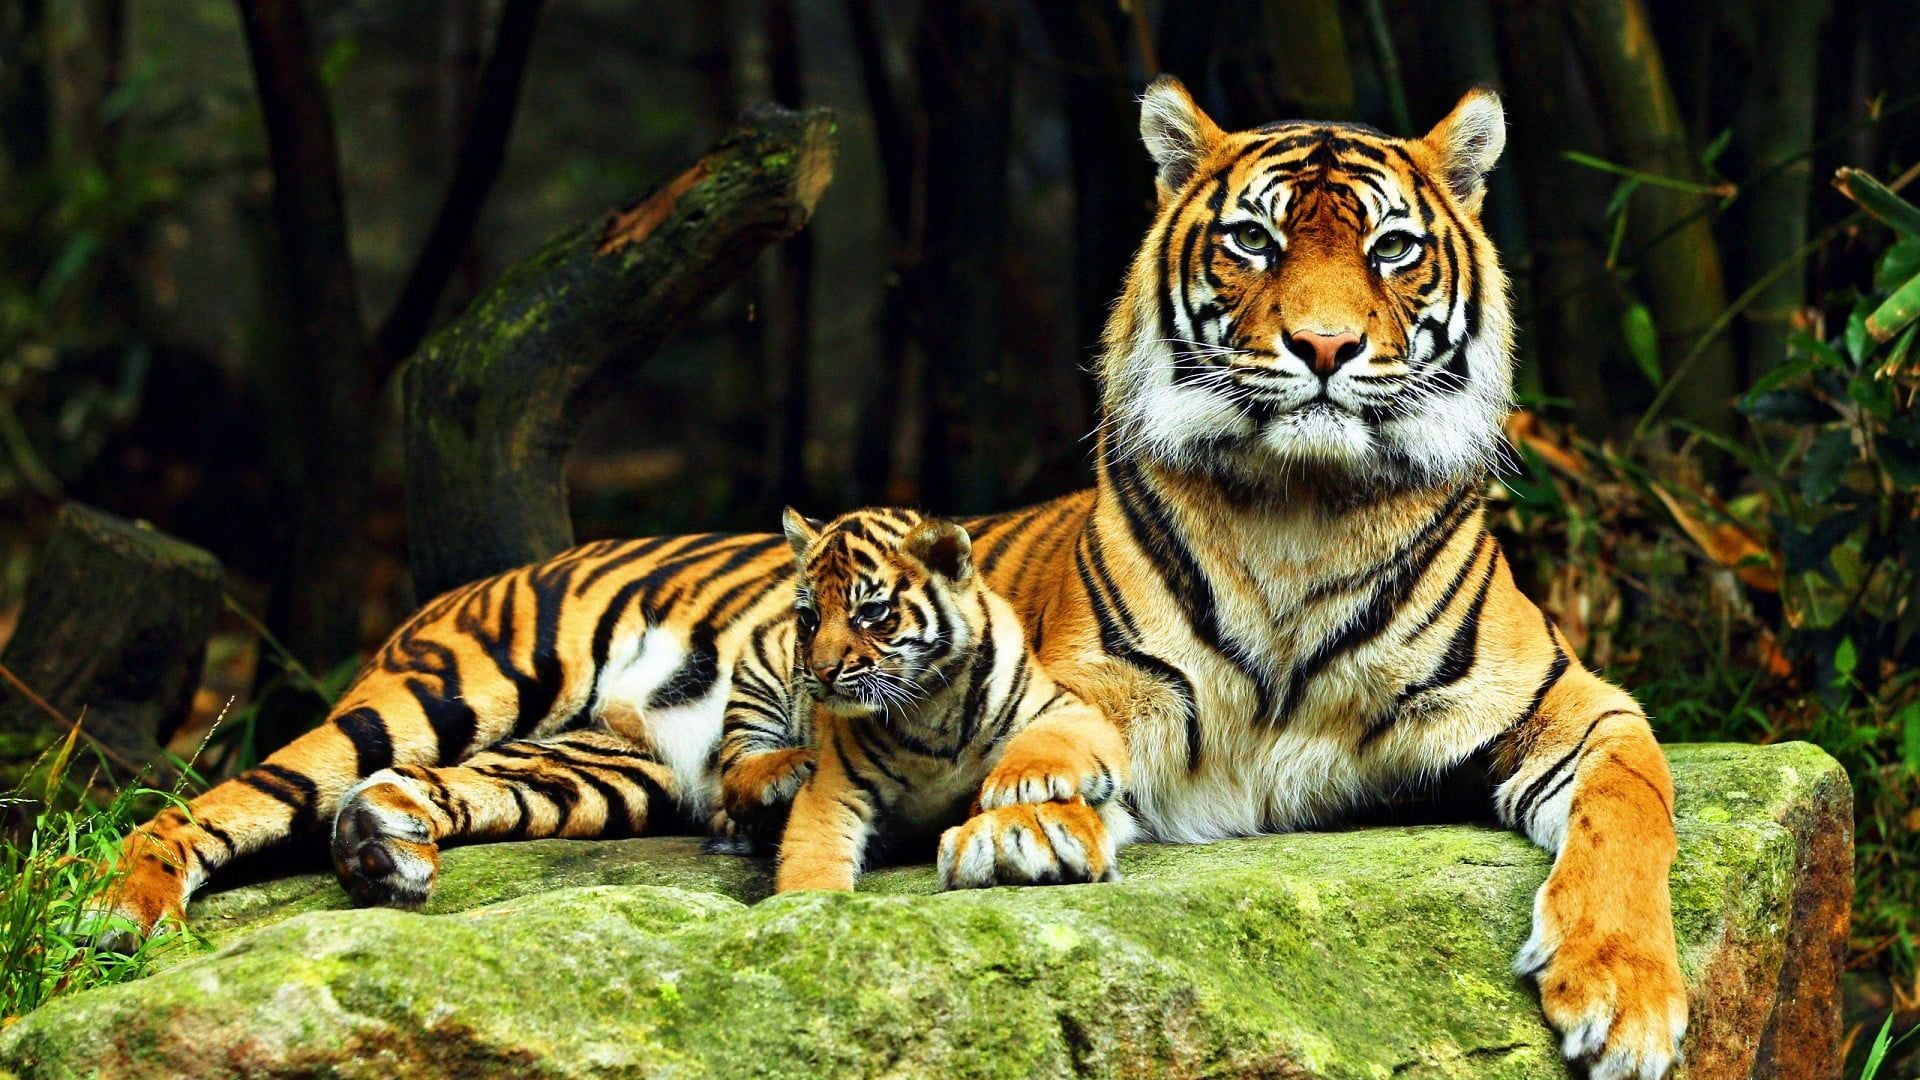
(1368, 953)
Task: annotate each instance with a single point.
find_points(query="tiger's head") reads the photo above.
(878, 612)
(1314, 301)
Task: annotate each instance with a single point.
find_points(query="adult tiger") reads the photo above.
(1281, 590)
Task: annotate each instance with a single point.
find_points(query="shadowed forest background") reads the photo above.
(218, 255)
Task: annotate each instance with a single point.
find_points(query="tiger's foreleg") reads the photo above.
(1051, 811)
(1591, 785)
(585, 784)
(1067, 749)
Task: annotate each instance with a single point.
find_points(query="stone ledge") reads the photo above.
(1370, 953)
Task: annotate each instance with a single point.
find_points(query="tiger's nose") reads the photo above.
(1324, 353)
(827, 673)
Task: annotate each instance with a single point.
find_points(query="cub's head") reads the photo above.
(878, 611)
(1314, 301)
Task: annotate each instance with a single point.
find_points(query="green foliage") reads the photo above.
(57, 878)
(1791, 610)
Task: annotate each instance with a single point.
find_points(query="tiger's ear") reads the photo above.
(1468, 143)
(801, 531)
(942, 547)
(1178, 134)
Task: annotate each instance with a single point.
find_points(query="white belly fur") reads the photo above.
(684, 736)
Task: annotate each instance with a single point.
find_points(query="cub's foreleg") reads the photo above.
(1589, 783)
(826, 835)
(765, 754)
(585, 784)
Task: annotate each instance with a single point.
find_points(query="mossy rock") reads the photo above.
(1369, 953)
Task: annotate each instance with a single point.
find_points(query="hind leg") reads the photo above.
(585, 784)
(293, 792)
(441, 688)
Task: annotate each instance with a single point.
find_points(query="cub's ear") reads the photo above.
(1178, 134)
(942, 547)
(801, 531)
(1467, 144)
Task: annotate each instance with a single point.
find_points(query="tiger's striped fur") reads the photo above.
(1281, 590)
(918, 676)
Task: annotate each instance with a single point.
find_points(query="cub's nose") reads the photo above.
(827, 673)
(1324, 353)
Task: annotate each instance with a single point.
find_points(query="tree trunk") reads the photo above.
(892, 421)
(1563, 279)
(113, 635)
(483, 151)
(1680, 276)
(494, 399)
(964, 57)
(791, 300)
(1787, 39)
(26, 106)
(1113, 196)
(317, 598)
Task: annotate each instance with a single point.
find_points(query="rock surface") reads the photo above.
(1371, 953)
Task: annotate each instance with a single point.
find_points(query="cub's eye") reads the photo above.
(872, 611)
(1394, 247)
(1252, 237)
(809, 619)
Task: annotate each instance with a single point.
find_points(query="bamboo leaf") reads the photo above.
(1717, 147)
(1897, 264)
(1897, 359)
(1788, 406)
(1902, 308)
(1825, 465)
(1643, 340)
(1879, 200)
(1650, 179)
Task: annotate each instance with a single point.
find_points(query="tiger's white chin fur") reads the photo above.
(1320, 434)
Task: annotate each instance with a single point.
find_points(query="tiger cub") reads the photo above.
(915, 675)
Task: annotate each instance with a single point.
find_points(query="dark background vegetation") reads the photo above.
(1715, 467)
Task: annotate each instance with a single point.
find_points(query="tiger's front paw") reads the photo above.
(1049, 771)
(383, 847)
(154, 878)
(1617, 998)
(1049, 843)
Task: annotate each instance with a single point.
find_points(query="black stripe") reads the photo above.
(295, 789)
(1378, 610)
(1533, 793)
(372, 746)
(695, 676)
(450, 717)
(1151, 522)
(1005, 540)
(1116, 644)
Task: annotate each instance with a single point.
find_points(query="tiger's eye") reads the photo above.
(1393, 247)
(809, 619)
(1252, 237)
(872, 611)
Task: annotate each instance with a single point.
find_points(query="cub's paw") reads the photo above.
(1617, 999)
(762, 785)
(1049, 843)
(383, 847)
(1051, 771)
